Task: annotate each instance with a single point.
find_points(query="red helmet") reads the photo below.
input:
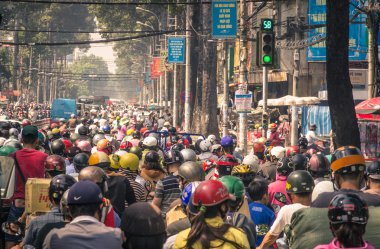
(26, 122)
(292, 150)
(225, 165)
(208, 164)
(143, 130)
(55, 165)
(126, 145)
(68, 145)
(258, 147)
(211, 193)
(84, 146)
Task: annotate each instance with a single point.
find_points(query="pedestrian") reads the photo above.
(373, 180)
(85, 201)
(208, 229)
(29, 163)
(262, 216)
(299, 187)
(348, 215)
(348, 167)
(143, 227)
(235, 187)
(58, 185)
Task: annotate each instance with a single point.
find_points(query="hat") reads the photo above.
(84, 192)
(142, 219)
(30, 130)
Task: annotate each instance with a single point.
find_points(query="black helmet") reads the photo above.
(285, 166)
(300, 162)
(302, 143)
(174, 157)
(347, 159)
(57, 147)
(319, 165)
(299, 181)
(136, 135)
(80, 161)
(83, 130)
(348, 208)
(172, 130)
(58, 185)
(73, 151)
(178, 147)
(66, 134)
(152, 157)
(137, 151)
(373, 170)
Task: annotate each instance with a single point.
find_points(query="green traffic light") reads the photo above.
(267, 59)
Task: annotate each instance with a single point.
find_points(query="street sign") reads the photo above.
(243, 102)
(155, 68)
(224, 19)
(358, 34)
(165, 66)
(176, 49)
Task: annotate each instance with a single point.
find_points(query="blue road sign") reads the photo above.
(224, 19)
(176, 49)
(358, 36)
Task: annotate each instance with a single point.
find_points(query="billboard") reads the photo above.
(358, 33)
(224, 19)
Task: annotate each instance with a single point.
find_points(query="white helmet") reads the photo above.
(205, 145)
(2, 141)
(278, 152)
(167, 123)
(150, 142)
(188, 155)
(322, 187)
(211, 138)
(252, 161)
(121, 153)
(216, 147)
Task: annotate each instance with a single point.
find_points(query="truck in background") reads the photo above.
(63, 108)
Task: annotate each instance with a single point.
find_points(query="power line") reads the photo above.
(86, 42)
(86, 31)
(82, 2)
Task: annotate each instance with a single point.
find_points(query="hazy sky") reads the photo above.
(103, 50)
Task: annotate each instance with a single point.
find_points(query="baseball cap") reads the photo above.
(30, 130)
(84, 192)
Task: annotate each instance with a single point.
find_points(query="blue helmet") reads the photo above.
(188, 191)
(106, 129)
(227, 141)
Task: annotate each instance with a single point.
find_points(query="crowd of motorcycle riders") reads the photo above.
(125, 180)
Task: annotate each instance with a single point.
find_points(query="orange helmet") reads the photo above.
(105, 146)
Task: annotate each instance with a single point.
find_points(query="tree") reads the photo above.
(340, 97)
(81, 81)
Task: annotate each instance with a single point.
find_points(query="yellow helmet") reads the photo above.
(99, 159)
(242, 169)
(130, 132)
(55, 131)
(262, 140)
(130, 162)
(257, 126)
(115, 161)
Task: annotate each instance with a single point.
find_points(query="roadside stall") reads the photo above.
(368, 114)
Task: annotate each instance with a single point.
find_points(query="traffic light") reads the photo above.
(265, 43)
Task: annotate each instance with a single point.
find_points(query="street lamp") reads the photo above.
(151, 12)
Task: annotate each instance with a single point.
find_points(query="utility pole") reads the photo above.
(175, 85)
(187, 73)
(15, 53)
(30, 73)
(294, 125)
(242, 74)
(225, 88)
(265, 102)
(39, 79)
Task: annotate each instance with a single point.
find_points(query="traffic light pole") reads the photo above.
(265, 100)
(187, 73)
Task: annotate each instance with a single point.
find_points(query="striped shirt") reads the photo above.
(168, 190)
(138, 189)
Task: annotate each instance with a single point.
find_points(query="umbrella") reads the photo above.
(370, 106)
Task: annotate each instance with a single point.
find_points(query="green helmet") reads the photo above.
(300, 181)
(234, 185)
(74, 137)
(137, 151)
(6, 150)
